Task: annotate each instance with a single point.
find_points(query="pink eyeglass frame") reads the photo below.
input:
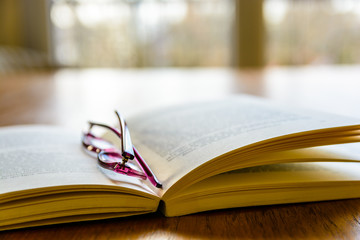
(128, 152)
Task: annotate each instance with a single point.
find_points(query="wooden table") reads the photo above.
(71, 97)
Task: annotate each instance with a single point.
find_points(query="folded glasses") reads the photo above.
(117, 160)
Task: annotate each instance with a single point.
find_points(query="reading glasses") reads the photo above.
(114, 159)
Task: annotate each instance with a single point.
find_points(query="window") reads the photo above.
(178, 33)
(301, 32)
(147, 33)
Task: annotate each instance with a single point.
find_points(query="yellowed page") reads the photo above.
(46, 174)
(106, 213)
(269, 184)
(177, 140)
(302, 165)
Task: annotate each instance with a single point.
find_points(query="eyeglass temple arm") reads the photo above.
(126, 149)
(151, 176)
(126, 144)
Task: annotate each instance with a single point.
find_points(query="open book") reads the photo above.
(236, 152)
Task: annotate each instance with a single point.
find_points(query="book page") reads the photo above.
(313, 169)
(269, 184)
(35, 157)
(177, 140)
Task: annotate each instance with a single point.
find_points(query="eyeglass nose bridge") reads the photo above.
(102, 148)
(119, 166)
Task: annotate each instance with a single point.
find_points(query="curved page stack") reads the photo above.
(236, 152)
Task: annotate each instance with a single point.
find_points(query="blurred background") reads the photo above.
(177, 33)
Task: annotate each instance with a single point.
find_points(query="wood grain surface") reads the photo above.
(70, 97)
